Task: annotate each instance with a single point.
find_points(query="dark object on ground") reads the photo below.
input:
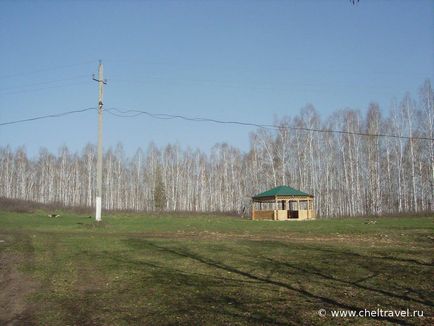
(53, 215)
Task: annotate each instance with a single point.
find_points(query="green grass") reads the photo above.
(213, 270)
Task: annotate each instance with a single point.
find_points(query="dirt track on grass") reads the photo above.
(15, 288)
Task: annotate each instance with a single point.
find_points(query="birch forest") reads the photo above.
(348, 173)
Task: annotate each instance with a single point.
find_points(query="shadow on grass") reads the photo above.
(280, 267)
(175, 283)
(198, 296)
(311, 270)
(377, 265)
(391, 258)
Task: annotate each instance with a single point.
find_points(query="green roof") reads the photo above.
(281, 191)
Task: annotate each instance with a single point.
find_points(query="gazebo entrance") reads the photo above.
(283, 203)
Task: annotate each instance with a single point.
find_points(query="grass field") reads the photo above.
(211, 270)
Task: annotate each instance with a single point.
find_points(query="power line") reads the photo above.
(255, 86)
(27, 86)
(30, 90)
(57, 115)
(47, 69)
(164, 116)
(270, 66)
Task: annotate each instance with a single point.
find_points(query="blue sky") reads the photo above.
(229, 60)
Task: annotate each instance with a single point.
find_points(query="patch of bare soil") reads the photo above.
(15, 287)
(293, 237)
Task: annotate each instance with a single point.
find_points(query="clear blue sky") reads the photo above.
(229, 60)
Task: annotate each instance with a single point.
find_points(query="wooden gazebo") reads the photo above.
(283, 203)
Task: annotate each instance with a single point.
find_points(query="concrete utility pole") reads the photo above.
(101, 83)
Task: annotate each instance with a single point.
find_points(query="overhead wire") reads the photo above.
(130, 113)
(251, 85)
(270, 66)
(47, 69)
(27, 86)
(30, 90)
(56, 115)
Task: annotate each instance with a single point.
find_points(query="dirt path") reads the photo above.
(15, 288)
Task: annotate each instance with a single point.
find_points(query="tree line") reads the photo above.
(349, 174)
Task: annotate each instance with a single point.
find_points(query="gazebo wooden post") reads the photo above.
(276, 207)
(313, 210)
(253, 210)
(289, 208)
(308, 209)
